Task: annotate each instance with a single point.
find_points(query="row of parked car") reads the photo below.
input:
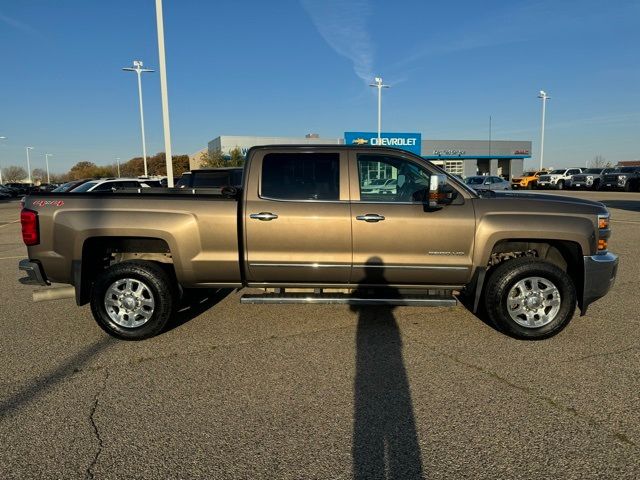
(619, 178)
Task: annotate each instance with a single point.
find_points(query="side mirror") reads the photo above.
(436, 182)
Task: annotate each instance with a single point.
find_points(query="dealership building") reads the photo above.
(459, 157)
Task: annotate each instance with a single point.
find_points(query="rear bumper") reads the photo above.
(599, 275)
(34, 271)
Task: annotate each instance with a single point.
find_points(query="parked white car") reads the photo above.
(110, 185)
(557, 179)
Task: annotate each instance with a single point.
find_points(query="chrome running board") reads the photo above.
(345, 299)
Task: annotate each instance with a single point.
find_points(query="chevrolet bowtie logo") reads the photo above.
(360, 141)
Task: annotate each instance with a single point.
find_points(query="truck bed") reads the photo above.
(198, 226)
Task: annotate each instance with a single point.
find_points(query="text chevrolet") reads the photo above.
(303, 220)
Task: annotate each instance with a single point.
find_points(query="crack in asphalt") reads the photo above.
(89, 473)
(603, 354)
(621, 437)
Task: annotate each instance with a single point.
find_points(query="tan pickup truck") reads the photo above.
(305, 219)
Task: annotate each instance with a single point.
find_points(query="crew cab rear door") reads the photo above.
(397, 239)
(297, 217)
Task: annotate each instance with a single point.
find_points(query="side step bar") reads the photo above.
(344, 299)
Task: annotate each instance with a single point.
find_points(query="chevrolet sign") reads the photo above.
(412, 142)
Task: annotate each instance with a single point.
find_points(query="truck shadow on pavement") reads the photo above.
(195, 303)
(41, 385)
(385, 439)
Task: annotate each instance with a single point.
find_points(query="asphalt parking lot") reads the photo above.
(295, 392)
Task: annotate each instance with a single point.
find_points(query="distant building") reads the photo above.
(459, 157)
(629, 163)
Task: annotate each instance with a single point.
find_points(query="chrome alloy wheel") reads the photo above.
(129, 302)
(533, 302)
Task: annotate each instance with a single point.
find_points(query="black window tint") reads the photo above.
(105, 187)
(301, 176)
(211, 179)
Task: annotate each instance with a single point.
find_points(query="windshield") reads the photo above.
(84, 187)
(628, 169)
(557, 172)
(529, 174)
(593, 170)
(63, 187)
(474, 180)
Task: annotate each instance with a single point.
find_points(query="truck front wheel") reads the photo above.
(133, 300)
(530, 299)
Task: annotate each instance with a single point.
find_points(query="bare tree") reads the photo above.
(599, 162)
(14, 174)
(38, 174)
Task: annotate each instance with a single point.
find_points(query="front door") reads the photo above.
(397, 239)
(297, 218)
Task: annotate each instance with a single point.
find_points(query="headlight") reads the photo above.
(590, 177)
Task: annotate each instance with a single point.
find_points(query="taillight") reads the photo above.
(30, 228)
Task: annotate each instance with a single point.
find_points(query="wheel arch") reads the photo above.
(100, 252)
(566, 254)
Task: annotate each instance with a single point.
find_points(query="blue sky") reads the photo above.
(289, 67)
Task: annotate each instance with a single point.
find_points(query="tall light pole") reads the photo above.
(118, 163)
(28, 162)
(379, 85)
(137, 67)
(46, 161)
(543, 95)
(1, 138)
(164, 93)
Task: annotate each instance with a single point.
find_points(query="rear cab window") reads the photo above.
(301, 176)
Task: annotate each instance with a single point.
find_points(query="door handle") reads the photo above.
(370, 217)
(264, 216)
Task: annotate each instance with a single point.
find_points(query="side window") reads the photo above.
(211, 179)
(105, 187)
(496, 180)
(391, 179)
(301, 176)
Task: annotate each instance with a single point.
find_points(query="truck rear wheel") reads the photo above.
(133, 300)
(530, 299)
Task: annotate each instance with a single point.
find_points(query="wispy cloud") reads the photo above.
(343, 25)
(18, 25)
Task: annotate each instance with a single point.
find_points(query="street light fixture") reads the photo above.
(543, 95)
(46, 161)
(28, 162)
(1, 138)
(137, 67)
(379, 85)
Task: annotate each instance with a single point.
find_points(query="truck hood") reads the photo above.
(543, 203)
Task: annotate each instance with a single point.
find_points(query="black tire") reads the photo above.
(596, 185)
(560, 185)
(627, 187)
(160, 284)
(506, 275)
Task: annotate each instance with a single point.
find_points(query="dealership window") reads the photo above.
(301, 176)
(394, 179)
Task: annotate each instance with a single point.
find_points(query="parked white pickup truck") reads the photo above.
(557, 178)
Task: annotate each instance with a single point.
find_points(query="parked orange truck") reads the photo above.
(302, 221)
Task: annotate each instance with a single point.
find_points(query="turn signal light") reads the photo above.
(603, 222)
(30, 227)
(602, 244)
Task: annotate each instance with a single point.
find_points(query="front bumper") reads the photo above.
(599, 275)
(34, 271)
